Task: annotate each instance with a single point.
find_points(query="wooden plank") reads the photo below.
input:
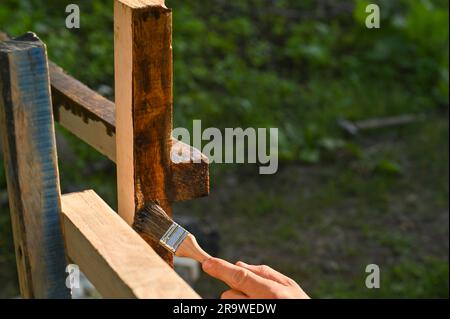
(28, 140)
(114, 257)
(143, 79)
(83, 112)
(123, 61)
(91, 117)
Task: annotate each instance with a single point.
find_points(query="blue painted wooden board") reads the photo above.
(28, 141)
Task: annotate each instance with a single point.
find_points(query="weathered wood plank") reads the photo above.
(116, 259)
(84, 112)
(143, 78)
(28, 140)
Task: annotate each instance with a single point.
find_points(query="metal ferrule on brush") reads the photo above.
(173, 237)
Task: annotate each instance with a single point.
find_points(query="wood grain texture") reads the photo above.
(136, 4)
(84, 112)
(143, 77)
(115, 258)
(189, 170)
(123, 61)
(28, 140)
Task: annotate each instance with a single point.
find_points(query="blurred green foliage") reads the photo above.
(295, 65)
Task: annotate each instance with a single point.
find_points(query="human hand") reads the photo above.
(252, 282)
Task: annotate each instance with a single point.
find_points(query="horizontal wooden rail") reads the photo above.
(112, 255)
(92, 118)
(84, 112)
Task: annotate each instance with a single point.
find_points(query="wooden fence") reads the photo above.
(51, 230)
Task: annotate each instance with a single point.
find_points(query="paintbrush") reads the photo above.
(153, 221)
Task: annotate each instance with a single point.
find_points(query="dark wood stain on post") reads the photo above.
(152, 109)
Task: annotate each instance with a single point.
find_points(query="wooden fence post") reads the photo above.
(28, 140)
(143, 81)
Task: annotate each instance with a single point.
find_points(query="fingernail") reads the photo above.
(241, 263)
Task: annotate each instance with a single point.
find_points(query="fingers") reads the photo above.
(233, 294)
(267, 273)
(237, 277)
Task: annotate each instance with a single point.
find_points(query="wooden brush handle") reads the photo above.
(190, 248)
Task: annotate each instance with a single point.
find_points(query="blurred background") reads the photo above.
(341, 200)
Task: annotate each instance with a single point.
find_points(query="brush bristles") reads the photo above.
(152, 221)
